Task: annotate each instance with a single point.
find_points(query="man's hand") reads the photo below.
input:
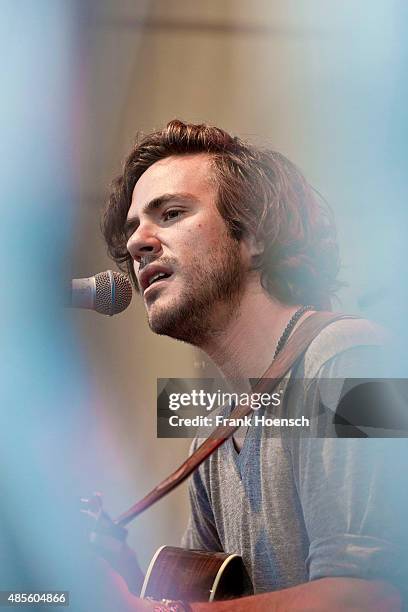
(121, 558)
(108, 540)
(109, 592)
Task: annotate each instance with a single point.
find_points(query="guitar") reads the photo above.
(195, 575)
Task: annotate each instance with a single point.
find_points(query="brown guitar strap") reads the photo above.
(292, 351)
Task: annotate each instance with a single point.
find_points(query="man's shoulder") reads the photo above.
(340, 336)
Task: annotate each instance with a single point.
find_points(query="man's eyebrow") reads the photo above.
(132, 223)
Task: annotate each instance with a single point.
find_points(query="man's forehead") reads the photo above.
(176, 174)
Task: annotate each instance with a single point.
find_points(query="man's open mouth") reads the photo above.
(154, 274)
(156, 278)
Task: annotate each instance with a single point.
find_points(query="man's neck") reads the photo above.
(244, 348)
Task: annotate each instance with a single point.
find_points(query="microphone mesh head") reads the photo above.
(113, 292)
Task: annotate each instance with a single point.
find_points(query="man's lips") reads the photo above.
(157, 285)
(150, 271)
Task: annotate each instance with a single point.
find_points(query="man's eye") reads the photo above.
(171, 214)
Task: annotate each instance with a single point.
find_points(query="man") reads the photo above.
(229, 246)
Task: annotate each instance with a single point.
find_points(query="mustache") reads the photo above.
(145, 260)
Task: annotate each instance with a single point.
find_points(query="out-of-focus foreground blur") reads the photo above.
(321, 82)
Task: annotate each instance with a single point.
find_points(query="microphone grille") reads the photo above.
(113, 292)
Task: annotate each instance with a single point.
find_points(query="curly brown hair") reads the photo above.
(260, 193)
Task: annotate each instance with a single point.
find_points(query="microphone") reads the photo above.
(107, 292)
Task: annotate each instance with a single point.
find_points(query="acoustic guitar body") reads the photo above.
(195, 575)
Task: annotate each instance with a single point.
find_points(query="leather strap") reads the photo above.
(292, 351)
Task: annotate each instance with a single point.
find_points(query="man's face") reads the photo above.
(175, 230)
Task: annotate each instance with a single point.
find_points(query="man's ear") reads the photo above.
(251, 249)
(254, 246)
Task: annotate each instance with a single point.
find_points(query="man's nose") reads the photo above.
(142, 242)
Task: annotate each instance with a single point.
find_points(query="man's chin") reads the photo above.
(156, 324)
(162, 319)
(178, 321)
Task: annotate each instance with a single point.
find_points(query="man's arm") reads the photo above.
(323, 595)
(334, 594)
(326, 594)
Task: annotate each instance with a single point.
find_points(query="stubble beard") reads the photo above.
(211, 294)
